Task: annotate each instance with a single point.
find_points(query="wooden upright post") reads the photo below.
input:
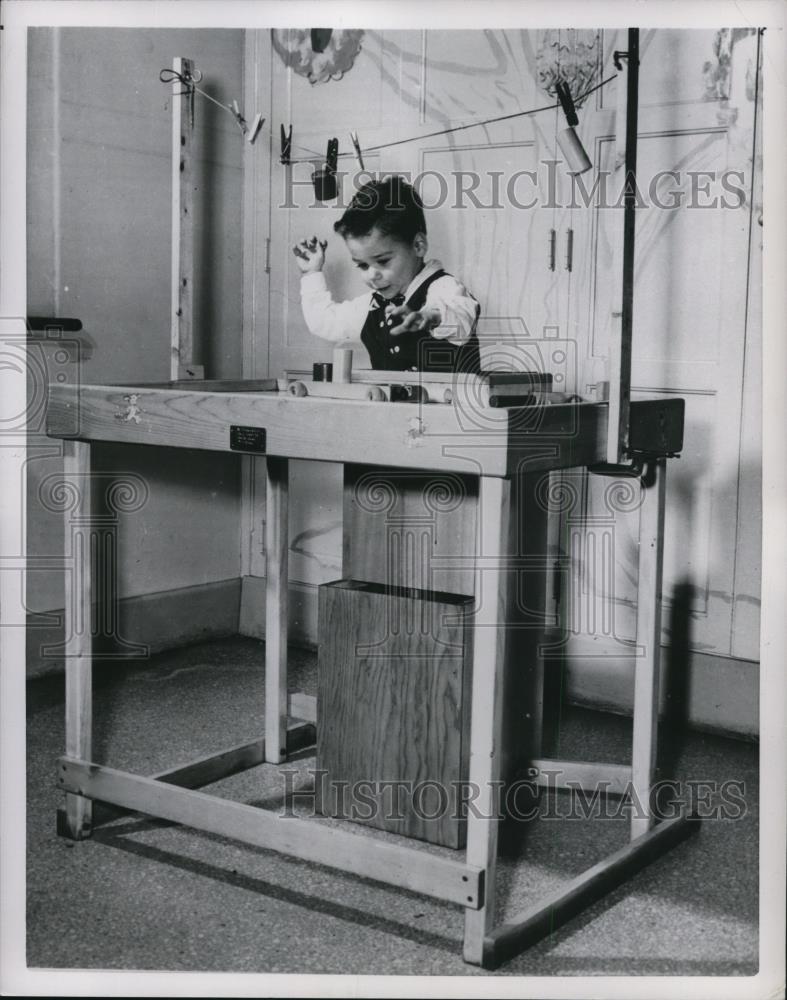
(276, 558)
(646, 666)
(489, 647)
(623, 256)
(77, 821)
(182, 346)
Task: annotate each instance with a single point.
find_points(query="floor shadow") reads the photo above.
(674, 725)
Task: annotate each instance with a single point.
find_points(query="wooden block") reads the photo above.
(656, 426)
(393, 707)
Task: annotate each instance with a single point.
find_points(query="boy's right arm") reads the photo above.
(328, 319)
(325, 318)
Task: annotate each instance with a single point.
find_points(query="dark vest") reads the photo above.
(415, 350)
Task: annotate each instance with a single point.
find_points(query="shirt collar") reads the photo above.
(429, 268)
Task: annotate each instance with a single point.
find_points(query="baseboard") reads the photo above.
(715, 693)
(718, 694)
(148, 624)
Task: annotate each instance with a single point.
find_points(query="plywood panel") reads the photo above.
(392, 707)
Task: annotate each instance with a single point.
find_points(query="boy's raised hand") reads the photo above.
(310, 254)
(419, 319)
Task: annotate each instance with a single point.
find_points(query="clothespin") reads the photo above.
(256, 125)
(239, 118)
(357, 148)
(564, 96)
(332, 155)
(286, 145)
(324, 179)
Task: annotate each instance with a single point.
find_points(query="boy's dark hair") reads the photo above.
(392, 205)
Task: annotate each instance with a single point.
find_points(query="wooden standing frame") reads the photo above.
(179, 417)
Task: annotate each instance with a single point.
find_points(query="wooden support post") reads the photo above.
(623, 255)
(489, 646)
(523, 713)
(76, 823)
(182, 345)
(276, 551)
(646, 665)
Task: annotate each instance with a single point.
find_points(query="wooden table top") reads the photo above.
(462, 436)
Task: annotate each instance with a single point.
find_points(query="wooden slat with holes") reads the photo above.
(404, 867)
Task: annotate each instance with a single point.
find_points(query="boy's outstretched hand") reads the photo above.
(310, 254)
(420, 319)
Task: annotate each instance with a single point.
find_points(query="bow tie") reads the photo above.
(380, 302)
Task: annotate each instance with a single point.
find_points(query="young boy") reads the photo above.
(417, 317)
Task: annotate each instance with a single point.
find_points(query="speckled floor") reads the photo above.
(142, 894)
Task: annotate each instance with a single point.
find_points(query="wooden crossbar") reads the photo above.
(403, 867)
(513, 936)
(205, 770)
(611, 779)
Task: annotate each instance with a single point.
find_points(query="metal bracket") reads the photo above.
(642, 467)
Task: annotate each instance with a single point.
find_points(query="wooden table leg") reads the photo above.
(489, 644)
(646, 666)
(76, 822)
(276, 552)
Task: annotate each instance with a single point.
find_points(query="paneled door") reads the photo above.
(697, 110)
(499, 210)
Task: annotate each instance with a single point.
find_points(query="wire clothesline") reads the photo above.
(190, 83)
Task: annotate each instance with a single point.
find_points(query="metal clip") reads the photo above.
(286, 145)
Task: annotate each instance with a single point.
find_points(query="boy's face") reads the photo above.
(387, 264)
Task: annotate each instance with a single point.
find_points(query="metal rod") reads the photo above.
(620, 345)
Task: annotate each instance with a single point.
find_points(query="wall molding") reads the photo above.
(718, 694)
(159, 621)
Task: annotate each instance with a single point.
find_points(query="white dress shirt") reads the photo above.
(344, 320)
